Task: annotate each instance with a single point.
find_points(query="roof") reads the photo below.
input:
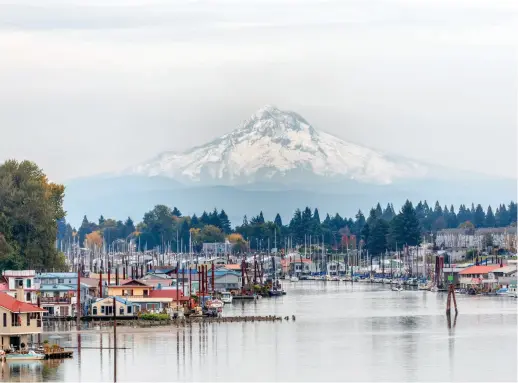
(118, 299)
(131, 282)
(15, 306)
(233, 266)
(505, 269)
(156, 282)
(478, 269)
(56, 275)
(221, 273)
(57, 288)
(19, 273)
(168, 294)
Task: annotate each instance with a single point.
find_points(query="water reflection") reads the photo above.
(352, 333)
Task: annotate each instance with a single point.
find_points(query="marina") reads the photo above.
(356, 320)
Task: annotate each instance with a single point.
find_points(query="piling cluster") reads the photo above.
(197, 319)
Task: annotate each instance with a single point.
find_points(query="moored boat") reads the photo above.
(31, 355)
(226, 297)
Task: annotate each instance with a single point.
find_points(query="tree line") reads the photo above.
(383, 229)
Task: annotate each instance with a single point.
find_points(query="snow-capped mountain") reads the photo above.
(273, 144)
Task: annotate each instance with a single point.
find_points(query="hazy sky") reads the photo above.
(89, 86)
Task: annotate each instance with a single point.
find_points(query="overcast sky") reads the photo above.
(89, 86)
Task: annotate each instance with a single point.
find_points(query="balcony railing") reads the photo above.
(66, 300)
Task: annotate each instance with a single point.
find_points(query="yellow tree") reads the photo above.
(94, 240)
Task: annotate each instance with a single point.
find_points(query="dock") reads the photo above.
(56, 352)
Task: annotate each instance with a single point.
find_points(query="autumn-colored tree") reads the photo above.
(94, 239)
(235, 237)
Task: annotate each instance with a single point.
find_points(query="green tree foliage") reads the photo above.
(377, 243)
(479, 217)
(490, 218)
(30, 209)
(405, 228)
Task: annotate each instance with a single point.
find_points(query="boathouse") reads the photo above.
(103, 307)
(18, 320)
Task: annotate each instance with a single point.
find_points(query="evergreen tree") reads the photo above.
(377, 243)
(359, 224)
(512, 212)
(490, 218)
(214, 219)
(372, 216)
(316, 217)
(278, 221)
(388, 213)
(379, 211)
(129, 227)
(177, 212)
(479, 217)
(245, 220)
(404, 228)
(195, 221)
(224, 222)
(84, 229)
(452, 218)
(204, 218)
(101, 221)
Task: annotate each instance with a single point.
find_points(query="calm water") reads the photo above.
(341, 333)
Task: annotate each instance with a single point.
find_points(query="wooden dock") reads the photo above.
(56, 352)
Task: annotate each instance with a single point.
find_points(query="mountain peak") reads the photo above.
(281, 145)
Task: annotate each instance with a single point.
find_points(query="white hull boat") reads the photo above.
(294, 279)
(226, 297)
(31, 355)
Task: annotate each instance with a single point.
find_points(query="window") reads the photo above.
(102, 309)
(28, 297)
(28, 319)
(145, 293)
(5, 320)
(18, 283)
(129, 309)
(29, 283)
(61, 281)
(121, 310)
(94, 310)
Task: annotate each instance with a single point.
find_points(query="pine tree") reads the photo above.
(372, 216)
(84, 229)
(388, 213)
(379, 211)
(195, 221)
(479, 217)
(214, 218)
(377, 243)
(359, 224)
(316, 217)
(512, 212)
(452, 218)
(129, 227)
(177, 212)
(490, 218)
(502, 216)
(404, 228)
(278, 221)
(101, 221)
(224, 222)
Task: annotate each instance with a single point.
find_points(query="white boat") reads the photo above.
(397, 288)
(226, 297)
(294, 279)
(511, 291)
(214, 304)
(434, 289)
(31, 355)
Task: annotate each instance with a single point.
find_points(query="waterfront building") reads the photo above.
(216, 248)
(103, 307)
(58, 300)
(18, 320)
(334, 269)
(225, 280)
(15, 279)
(478, 277)
(506, 275)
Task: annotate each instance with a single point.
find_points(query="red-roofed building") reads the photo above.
(478, 276)
(17, 321)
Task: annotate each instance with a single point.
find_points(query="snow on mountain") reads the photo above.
(273, 143)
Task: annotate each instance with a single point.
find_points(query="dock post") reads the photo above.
(78, 302)
(451, 295)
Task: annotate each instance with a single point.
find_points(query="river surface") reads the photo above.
(341, 333)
